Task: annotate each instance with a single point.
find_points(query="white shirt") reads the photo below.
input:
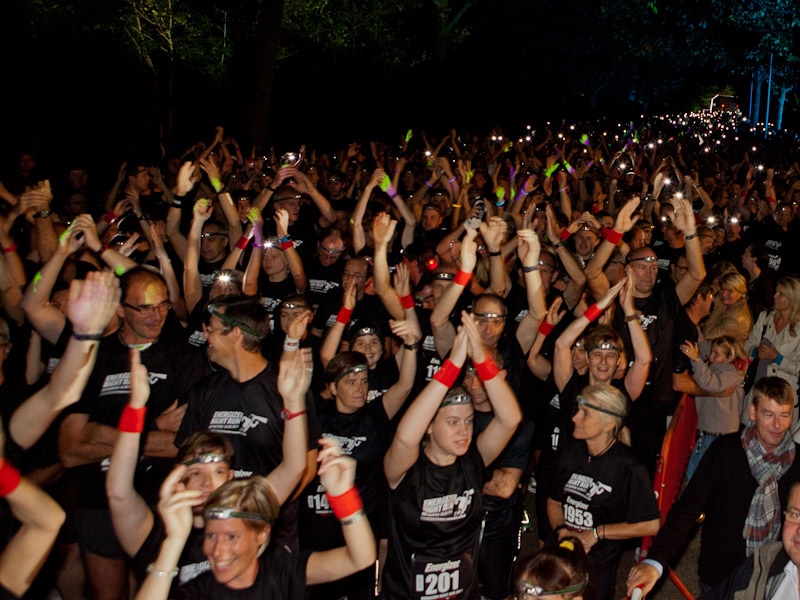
(787, 590)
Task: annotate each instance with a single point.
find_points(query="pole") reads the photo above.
(769, 92)
(750, 110)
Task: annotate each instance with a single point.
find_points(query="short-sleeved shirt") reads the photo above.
(436, 521)
(281, 576)
(611, 488)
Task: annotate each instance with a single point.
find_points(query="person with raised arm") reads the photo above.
(238, 523)
(435, 476)
(208, 458)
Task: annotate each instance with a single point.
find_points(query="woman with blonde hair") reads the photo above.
(602, 493)
(731, 315)
(775, 340)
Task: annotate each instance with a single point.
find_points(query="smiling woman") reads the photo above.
(601, 493)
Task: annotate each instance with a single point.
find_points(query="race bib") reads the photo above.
(435, 579)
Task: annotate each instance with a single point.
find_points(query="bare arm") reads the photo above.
(132, 518)
(383, 228)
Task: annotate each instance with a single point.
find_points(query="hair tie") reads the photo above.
(568, 545)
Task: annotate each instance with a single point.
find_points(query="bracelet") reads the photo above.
(347, 504)
(462, 278)
(558, 528)
(545, 328)
(565, 234)
(451, 180)
(456, 205)
(175, 204)
(428, 183)
(530, 269)
(561, 189)
(593, 312)
(594, 531)
(111, 216)
(285, 245)
(558, 244)
(612, 236)
(132, 419)
(151, 570)
(9, 478)
(344, 315)
(241, 244)
(217, 185)
(498, 253)
(291, 344)
(413, 346)
(487, 369)
(524, 193)
(352, 518)
(447, 374)
(42, 214)
(88, 337)
(288, 415)
(10, 249)
(691, 236)
(633, 317)
(407, 301)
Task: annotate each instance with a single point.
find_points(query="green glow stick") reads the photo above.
(409, 133)
(36, 279)
(385, 183)
(119, 270)
(551, 170)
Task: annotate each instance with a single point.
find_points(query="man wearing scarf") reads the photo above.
(741, 484)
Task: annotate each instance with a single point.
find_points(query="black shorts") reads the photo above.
(95, 533)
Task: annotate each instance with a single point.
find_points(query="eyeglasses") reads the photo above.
(353, 275)
(205, 236)
(229, 513)
(150, 309)
(792, 516)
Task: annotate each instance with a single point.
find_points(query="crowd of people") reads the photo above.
(336, 375)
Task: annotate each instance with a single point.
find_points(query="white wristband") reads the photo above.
(291, 344)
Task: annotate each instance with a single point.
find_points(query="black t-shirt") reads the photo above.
(659, 314)
(611, 488)
(248, 413)
(281, 576)
(191, 563)
(172, 370)
(382, 377)
(272, 293)
(369, 310)
(436, 521)
(365, 435)
(514, 456)
(324, 283)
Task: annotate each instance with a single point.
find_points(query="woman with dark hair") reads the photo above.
(435, 477)
(760, 289)
(556, 571)
(364, 431)
(602, 494)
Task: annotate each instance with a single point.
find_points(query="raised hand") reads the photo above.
(175, 504)
(203, 209)
(402, 284)
(337, 472)
(281, 222)
(494, 231)
(140, 384)
(611, 293)
(528, 247)
(93, 302)
(475, 348)
(625, 221)
(383, 228)
(469, 250)
(294, 375)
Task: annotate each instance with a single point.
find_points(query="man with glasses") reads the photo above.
(369, 307)
(324, 269)
(771, 571)
(241, 401)
(742, 485)
(89, 431)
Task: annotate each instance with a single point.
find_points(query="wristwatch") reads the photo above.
(286, 415)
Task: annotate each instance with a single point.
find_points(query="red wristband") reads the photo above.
(545, 328)
(593, 312)
(487, 369)
(344, 315)
(287, 244)
(242, 243)
(347, 504)
(407, 301)
(565, 234)
(447, 374)
(132, 419)
(595, 209)
(612, 235)
(462, 278)
(9, 479)
(110, 217)
(10, 249)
